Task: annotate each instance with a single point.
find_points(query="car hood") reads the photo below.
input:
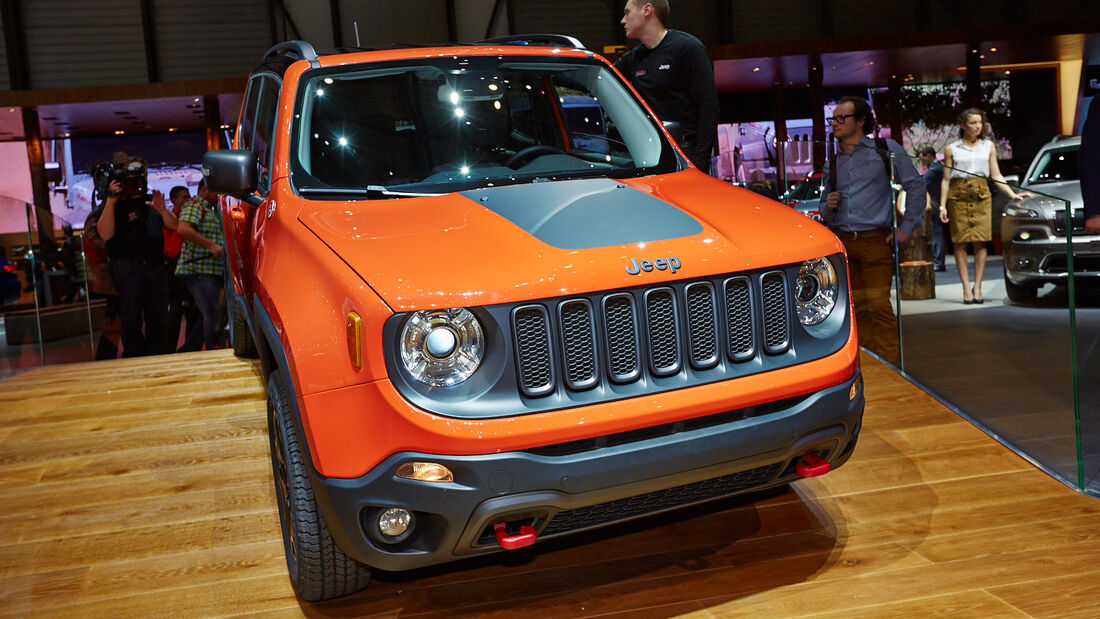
(537, 240)
(1069, 191)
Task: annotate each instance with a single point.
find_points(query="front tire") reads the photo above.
(318, 569)
(1020, 294)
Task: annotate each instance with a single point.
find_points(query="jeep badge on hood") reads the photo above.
(671, 263)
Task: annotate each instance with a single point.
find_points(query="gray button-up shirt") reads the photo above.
(866, 198)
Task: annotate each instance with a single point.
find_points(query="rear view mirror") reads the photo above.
(231, 172)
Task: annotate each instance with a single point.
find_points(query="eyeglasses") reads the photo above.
(839, 118)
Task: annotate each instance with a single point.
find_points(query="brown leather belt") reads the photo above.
(854, 235)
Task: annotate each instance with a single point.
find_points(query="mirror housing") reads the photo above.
(232, 173)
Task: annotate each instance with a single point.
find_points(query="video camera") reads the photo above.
(131, 175)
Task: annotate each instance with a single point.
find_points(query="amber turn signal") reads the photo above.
(353, 324)
(425, 471)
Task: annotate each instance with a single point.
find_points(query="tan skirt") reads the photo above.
(970, 210)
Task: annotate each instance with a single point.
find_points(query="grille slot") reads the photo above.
(578, 343)
(1060, 221)
(622, 337)
(776, 330)
(702, 325)
(739, 319)
(664, 349)
(533, 354)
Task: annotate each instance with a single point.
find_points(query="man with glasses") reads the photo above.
(859, 210)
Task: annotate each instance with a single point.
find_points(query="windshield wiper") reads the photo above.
(378, 191)
(371, 192)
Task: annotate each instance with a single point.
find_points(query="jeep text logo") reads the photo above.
(671, 263)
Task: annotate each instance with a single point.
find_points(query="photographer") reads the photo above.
(131, 224)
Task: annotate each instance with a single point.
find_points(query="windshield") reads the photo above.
(1055, 165)
(449, 124)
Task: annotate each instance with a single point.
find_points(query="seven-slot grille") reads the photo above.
(656, 331)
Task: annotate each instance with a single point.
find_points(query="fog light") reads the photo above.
(424, 471)
(395, 524)
(1023, 235)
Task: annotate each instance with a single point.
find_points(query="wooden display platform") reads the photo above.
(143, 488)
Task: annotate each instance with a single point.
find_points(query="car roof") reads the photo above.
(279, 57)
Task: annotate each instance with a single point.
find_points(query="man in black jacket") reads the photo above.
(133, 230)
(674, 75)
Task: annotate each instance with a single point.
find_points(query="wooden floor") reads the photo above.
(150, 495)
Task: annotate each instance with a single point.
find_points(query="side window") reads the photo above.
(265, 129)
(248, 115)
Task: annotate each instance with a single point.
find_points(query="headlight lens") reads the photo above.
(815, 291)
(442, 348)
(1019, 211)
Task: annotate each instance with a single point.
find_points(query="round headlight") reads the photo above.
(815, 291)
(442, 348)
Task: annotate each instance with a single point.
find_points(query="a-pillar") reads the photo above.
(40, 187)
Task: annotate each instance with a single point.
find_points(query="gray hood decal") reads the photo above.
(586, 213)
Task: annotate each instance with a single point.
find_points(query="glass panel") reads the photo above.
(1002, 352)
(1007, 363)
(20, 280)
(47, 315)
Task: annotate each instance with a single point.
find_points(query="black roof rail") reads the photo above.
(300, 49)
(561, 40)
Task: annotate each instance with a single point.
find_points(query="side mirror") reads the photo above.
(231, 172)
(674, 129)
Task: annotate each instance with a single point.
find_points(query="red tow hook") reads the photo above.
(525, 537)
(810, 465)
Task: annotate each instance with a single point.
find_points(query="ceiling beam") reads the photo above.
(15, 45)
(152, 65)
(121, 92)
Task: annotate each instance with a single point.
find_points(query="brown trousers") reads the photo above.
(871, 269)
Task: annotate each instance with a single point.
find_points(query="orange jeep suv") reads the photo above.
(495, 304)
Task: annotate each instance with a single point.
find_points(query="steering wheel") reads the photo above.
(530, 153)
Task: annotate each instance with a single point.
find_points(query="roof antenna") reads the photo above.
(356, 24)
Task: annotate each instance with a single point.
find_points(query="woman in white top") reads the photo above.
(967, 203)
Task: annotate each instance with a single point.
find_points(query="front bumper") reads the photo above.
(578, 486)
(1038, 262)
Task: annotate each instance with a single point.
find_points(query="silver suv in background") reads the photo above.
(1033, 231)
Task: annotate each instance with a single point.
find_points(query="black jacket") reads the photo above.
(676, 79)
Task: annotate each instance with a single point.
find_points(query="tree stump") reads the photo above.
(918, 280)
